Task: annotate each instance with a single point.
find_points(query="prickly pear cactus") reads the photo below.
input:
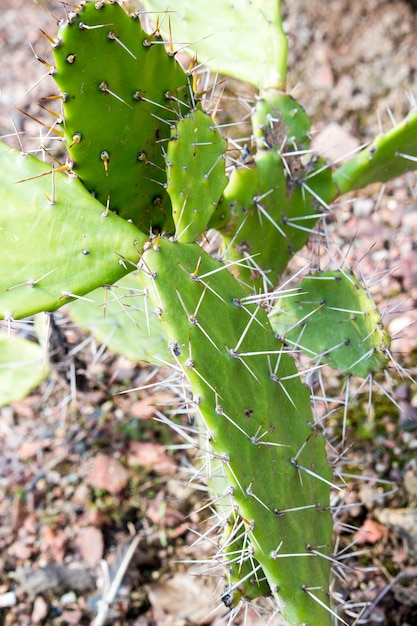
(195, 173)
(389, 155)
(333, 319)
(224, 35)
(275, 202)
(121, 93)
(258, 418)
(115, 313)
(71, 247)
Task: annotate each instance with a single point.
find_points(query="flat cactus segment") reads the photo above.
(258, 415)
(388, 156)
(256, 197)
(115, 314)
(55, 238)
(225, 34)
(122, 94)
(22, 367)
(195, 173)
(275, 202)
(333, 319)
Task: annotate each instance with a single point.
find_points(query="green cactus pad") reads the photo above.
(275, 202)
(22, 367)
(55, 238)
(116, 314)
(333, 319)
(122, 94)
(258, 415)
(243, 39)
(195, 173)
(389, 155)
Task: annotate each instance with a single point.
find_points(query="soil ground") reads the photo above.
(82, 473)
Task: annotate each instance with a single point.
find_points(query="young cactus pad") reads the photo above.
(258, 417)
(195, 173)
(275, 202)
(333, 319)
(56, 240)
(121, 93)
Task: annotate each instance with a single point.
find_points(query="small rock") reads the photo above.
(149, 454)
(7, 599)
(90, 543)
(39, 611)
(68, 598)
(334, 143)
(370, 532)
(108, 473)
(363, 207)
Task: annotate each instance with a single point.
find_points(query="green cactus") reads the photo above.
(139, 140)
(195, 173)
(23, 367)
(114, 313)
(275, 203)
(388, 156)
(225, 34)
(79, 245)
(348, 332)
(117, 113)
(258, 417)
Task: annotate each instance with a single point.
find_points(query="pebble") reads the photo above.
(39, 611)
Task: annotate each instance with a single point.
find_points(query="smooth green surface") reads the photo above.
(257, 412)
(333, 319)
(49, 251)
(22, 367)
(195, 173)
(243, 39)
(121, 98)
(119, 317)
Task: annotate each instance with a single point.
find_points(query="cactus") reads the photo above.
(22, 367)
(348, 334)
(116, 121)
(139, 139)
(276, 191)
(114, 313)
(195, 173)
(78, 245)
(264, 446)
